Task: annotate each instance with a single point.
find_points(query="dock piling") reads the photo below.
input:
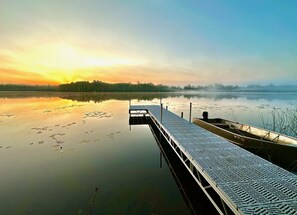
(190, 115)
(161, 112)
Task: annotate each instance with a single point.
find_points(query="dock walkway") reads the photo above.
(234, 180)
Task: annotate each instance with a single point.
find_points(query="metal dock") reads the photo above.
(233, 179)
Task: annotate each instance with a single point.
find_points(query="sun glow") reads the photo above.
(63, 62)
(69, 58)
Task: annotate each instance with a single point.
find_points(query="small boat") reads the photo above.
(272, 146)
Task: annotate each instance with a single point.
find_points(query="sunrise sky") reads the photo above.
(173, 42)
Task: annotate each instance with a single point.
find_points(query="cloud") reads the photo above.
(177, 43)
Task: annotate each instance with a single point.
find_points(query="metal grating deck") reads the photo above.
(250, 184)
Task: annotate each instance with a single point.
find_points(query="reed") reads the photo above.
(283, 121)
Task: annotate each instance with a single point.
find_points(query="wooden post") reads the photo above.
(182, 115)
(161, 112)
(190, 116)
(273, 119)
(166, 107)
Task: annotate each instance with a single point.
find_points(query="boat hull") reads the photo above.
(280, 154)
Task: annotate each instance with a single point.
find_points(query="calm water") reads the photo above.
(76, 154)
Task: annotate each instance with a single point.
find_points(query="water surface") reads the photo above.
(75, 153)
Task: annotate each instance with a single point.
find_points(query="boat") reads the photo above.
(275, 147)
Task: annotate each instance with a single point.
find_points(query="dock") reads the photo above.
(234, 180)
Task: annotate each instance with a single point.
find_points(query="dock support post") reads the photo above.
(182, 114)
(161, 112)
(166, 107)
(190, 116)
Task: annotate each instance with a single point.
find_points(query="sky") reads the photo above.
(172, 42)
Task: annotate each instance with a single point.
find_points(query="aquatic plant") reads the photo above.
(281, 121)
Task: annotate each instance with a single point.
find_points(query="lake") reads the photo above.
(75, 153)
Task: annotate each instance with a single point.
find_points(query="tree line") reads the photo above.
(99, 86)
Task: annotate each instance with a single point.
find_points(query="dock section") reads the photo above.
(234, 180)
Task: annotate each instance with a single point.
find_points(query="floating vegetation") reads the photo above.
(40, 129)
(55, 146)
(59, 134)
(8, 115)
(59, 141)
(58, 147)
(111, 135)
(84, 141)
(40, 142)
(97, 114)
(8, 147)
(53, 136)
(68, 106)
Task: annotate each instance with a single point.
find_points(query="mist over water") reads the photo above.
(74, 153)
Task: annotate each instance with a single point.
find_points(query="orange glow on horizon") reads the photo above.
(54, 64)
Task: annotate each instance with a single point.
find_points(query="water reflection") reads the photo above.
(100, 97)
(53, 149)
(64, 145)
